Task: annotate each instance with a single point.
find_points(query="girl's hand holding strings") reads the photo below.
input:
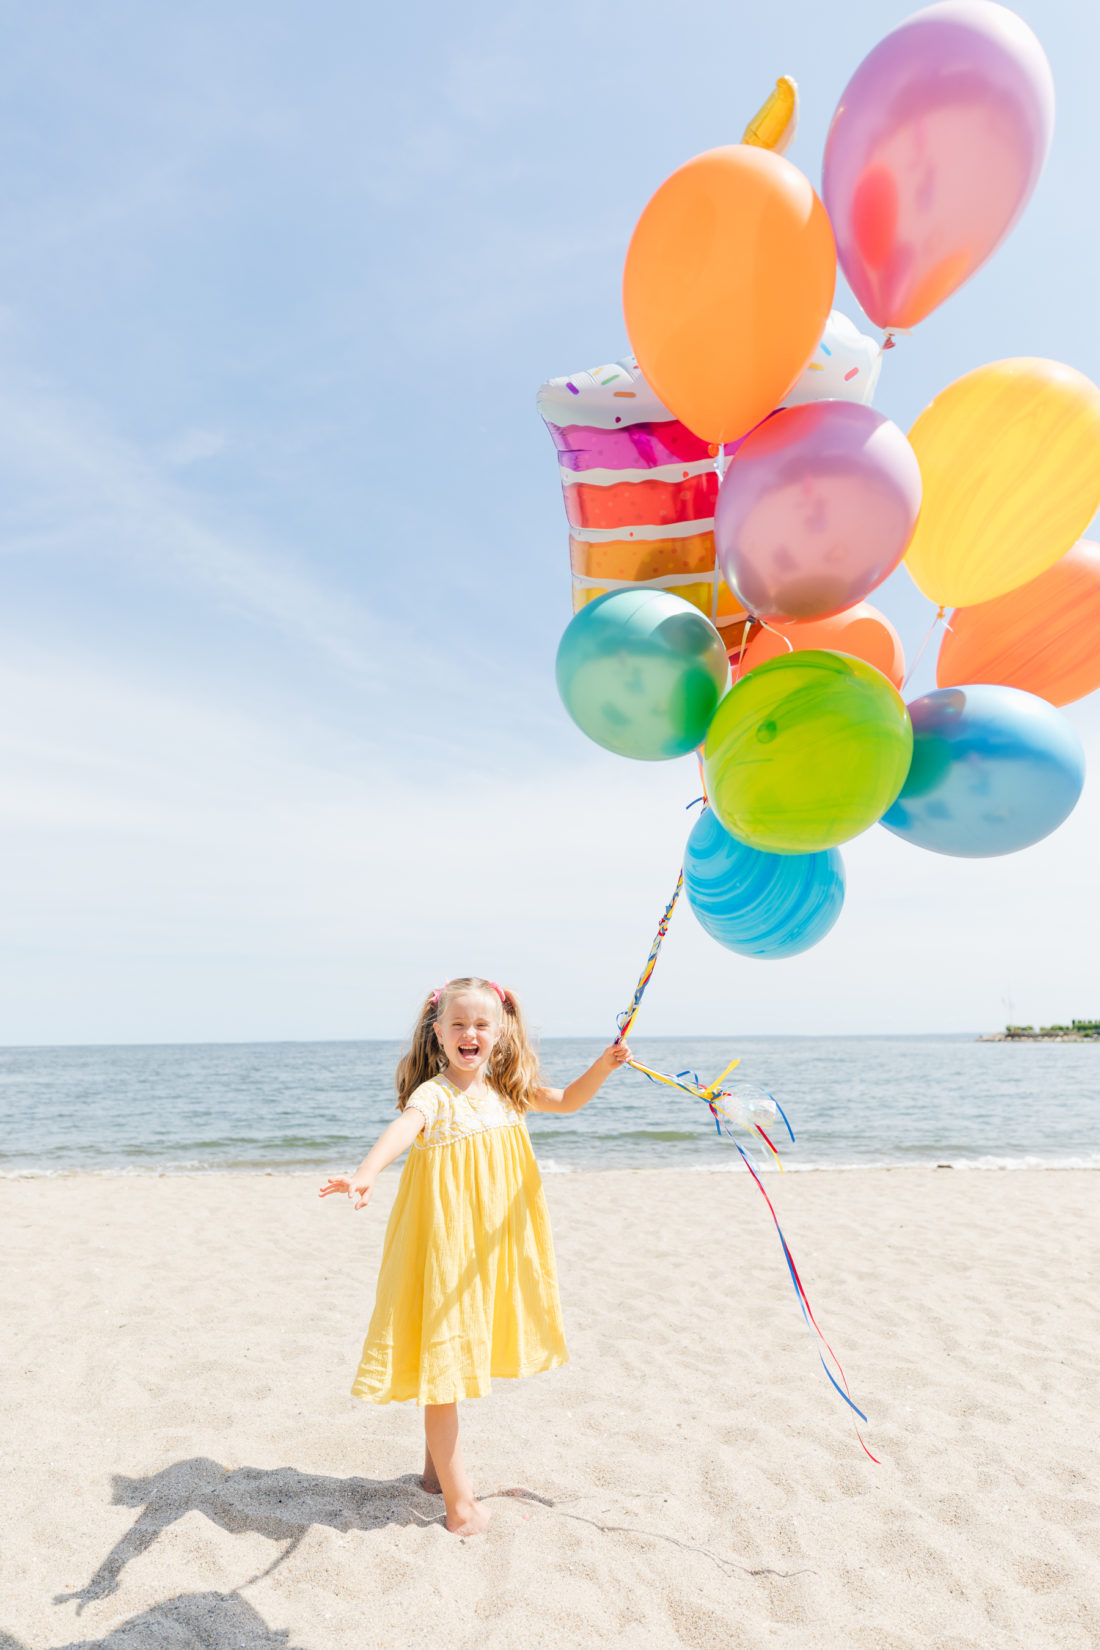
(615, 1055)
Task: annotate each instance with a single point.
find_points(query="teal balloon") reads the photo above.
(641, 672)
(760, 904)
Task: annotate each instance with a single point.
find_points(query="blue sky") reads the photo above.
(283, 562)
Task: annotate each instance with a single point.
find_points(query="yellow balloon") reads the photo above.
(776, 121)
(1010, 461)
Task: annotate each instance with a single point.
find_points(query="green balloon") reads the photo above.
(641, 672)
(807, 751)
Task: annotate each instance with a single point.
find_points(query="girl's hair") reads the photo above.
(513, 1068)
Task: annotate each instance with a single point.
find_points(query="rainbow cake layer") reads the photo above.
(639, 489)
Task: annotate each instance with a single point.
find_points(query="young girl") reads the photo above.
(467, 1288)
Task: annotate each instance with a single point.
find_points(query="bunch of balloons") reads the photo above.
(734, 498)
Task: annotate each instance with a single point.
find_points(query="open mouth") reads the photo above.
(468, 1051)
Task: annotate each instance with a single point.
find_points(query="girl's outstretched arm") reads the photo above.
(389, 1145)
(582, 1089)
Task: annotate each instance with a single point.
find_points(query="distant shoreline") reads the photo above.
(1051, 1036)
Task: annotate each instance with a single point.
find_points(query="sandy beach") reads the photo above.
(184, 1466)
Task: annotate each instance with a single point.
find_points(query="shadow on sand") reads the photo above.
(281, 1505)
(193, 1621)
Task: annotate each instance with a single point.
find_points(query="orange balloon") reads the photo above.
(728, 284)
(861, 631)
(1041, 637)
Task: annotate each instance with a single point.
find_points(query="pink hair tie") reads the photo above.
(438, 992)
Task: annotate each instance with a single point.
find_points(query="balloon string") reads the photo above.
(890, 338)
(629, 1015)
(741, 649)
(923, 645)
(721, 460)
(786, 640)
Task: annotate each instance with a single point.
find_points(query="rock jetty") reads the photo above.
(1078, 1031)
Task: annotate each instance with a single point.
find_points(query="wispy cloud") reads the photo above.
(92, 492)
(194, 447)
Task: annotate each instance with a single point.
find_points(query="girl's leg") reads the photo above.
(465, 1515)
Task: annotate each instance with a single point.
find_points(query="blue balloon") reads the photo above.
(756, 903)
(994, 770)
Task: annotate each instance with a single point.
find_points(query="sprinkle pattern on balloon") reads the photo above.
(845, 366)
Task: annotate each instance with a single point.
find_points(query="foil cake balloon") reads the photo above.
(640, 489)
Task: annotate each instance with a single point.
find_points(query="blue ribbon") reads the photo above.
(801, 1302)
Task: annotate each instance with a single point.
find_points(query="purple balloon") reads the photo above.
(817, 508)
(935, 147)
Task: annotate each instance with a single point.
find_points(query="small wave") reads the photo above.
(982, 1164)
(1091, 1161)
(147, 1171)
(720, 1164)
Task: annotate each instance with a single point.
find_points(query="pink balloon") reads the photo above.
(935, 147)
(817, 508)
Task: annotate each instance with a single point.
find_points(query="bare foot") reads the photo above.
(469, 1518)
(430, 1478)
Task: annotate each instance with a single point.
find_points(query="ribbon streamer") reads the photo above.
(725, 1122)
(629, 1015)
(807, 1312)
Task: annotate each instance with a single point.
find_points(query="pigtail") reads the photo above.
(514, 1067)
(422, 1062)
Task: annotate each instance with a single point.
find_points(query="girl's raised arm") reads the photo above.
(389, 1145)
(582, 1089)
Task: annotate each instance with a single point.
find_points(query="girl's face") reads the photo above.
(469, 1029)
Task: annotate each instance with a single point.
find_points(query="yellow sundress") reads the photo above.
(467, 1288)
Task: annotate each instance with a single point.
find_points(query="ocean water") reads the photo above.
(853, 1102)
